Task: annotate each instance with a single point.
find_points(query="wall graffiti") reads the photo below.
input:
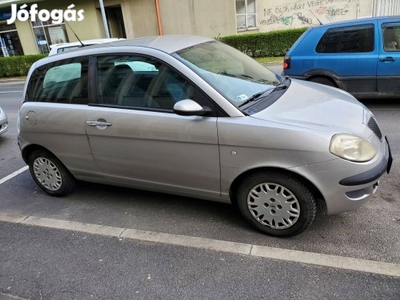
(303, 19)
(306, 13)
(273, 19)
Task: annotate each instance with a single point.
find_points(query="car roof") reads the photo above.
(356, 21)
(165, 43)
(85, 42)
(54, 49)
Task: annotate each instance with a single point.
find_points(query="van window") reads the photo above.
(391, 36)
(347, 39)
(64, 82)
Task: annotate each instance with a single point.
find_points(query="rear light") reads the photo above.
(286, 62)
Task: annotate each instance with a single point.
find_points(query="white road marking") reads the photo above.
(325, 260)
(12, 175)
(8, 296)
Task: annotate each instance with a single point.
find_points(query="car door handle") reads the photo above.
(99, 123)
(388, 58)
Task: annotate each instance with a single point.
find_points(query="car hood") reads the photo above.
(315, 106)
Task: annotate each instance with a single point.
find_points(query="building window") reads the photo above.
(47, 34)
(246, 14)
(10, 44)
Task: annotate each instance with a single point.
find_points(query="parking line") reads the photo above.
(310, 258)
(12, 175)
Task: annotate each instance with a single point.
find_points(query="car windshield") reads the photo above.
(236, 76)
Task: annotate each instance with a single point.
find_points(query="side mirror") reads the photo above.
(189, 107)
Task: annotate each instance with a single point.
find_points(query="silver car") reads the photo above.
(3, 121)
(194, 117)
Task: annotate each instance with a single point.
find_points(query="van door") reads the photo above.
(347, 53)
(388, 73)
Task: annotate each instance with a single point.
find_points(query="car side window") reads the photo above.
(140, 82)
(347, 39)
(391, 36)
(61, 82)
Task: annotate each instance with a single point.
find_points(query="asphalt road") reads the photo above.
(40, 262)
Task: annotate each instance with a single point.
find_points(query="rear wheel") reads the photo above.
(277, 204)
(323, 80)
(50, 174)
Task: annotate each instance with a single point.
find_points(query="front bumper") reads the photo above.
(371, 175)
(342, 192)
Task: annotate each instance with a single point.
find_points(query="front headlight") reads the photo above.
(352, 147)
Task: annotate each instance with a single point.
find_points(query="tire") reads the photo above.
(276, 203)
(50, 174)
(323, 80)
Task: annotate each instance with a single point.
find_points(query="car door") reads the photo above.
(388, 74)
(54, 110)
(137, 140)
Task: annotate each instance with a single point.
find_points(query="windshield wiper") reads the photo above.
(282, 86)
(285, 81)
(255, 97)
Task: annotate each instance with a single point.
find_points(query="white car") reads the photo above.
(3, 121)
(65, 47)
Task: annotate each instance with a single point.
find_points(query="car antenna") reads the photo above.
(320, 23)
(75, 34)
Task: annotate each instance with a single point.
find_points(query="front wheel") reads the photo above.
(50, 174)
(277, 204)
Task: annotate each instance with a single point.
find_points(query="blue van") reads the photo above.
(360, 56)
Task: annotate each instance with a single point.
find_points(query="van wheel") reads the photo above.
(50, 174)
(323, 80)
(276, 203)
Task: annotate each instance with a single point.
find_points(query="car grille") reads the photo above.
(373, 125)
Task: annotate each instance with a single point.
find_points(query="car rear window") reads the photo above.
(62, 82)
(347, 39)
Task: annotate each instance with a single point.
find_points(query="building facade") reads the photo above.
(137, 18)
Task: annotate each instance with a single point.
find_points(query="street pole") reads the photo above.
(104, 17)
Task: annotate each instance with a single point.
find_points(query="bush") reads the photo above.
(15, 66)
(274, 43)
